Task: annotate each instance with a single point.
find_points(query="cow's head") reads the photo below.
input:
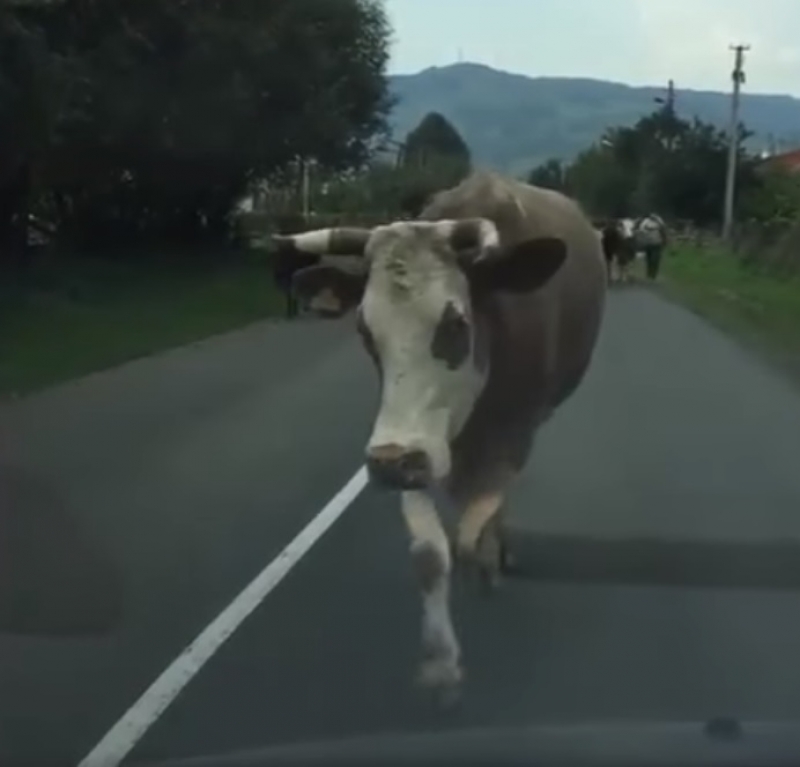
(418, 286)
(627, 227)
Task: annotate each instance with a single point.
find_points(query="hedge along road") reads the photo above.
(658, 526)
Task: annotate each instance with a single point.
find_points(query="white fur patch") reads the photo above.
(423, 522)
(627, 227)
(438, 635)
(423, 404)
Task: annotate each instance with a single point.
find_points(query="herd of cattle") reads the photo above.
(623, 238)
(480, 316)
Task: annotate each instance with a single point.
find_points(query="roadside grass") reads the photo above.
(73, 316)
(759, 308)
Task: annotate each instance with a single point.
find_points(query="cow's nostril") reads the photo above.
(386, 453)
(415, 462)
(392, 466)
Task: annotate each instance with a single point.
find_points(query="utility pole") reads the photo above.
(733, 145)
(671, 97)
(669, 101)
(669, 110)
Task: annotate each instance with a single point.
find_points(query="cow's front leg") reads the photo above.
(430, 553)
(481, 541)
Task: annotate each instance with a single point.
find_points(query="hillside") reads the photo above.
(514, 122)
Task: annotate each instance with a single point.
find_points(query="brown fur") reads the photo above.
(539, 344)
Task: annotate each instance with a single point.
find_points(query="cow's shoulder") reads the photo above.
(517, 209)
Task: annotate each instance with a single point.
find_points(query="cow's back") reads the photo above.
(540, 343)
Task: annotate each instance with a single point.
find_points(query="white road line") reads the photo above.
(129, 730)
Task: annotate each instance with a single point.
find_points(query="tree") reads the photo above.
(435, 157)
(551, 175)
(149, 118)
(662, 163)
(383, 191)
(32, 84)
(435, 140)
(774, 199)
(600, 182)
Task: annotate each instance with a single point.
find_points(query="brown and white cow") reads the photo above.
(619, 244)
(481, 316)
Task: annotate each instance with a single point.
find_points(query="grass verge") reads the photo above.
(758, 308)
(71, 317)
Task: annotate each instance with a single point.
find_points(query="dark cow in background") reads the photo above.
(481, 317)
(617, 238)
(610, 239)
(623, 238)
(284, 267)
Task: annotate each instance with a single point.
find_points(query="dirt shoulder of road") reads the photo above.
(759, 309)
(71, 317)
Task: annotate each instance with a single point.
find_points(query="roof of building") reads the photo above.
(787, 160)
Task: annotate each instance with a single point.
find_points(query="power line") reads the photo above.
(733, 139)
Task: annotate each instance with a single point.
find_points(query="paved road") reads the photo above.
(658, 528)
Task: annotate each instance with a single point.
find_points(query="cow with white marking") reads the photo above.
(610, 240)
(481, 316)
(624, 246)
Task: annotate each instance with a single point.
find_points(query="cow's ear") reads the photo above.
(328, 290)
(521, 268)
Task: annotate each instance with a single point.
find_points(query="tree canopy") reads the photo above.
(435, 139)
(136, 120)
(434, 157)
(663, 163)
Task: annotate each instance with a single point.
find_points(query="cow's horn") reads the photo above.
(475, 237)
(338, 241)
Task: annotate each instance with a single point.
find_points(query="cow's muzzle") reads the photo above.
(398, 468)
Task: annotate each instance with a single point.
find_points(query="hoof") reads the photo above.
(493, 557)
(478, 575)
(443, 679)
(471, 570)
(448, 697)
(488, 562)
(508, 562)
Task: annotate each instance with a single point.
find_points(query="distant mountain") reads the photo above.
(513, 122)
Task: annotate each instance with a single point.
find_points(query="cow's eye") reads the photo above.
(451, 339)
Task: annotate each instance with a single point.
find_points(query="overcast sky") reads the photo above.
(642, 42)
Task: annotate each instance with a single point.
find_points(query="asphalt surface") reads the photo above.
(658, 531)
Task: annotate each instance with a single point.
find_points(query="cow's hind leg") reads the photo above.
(482, 541)
(440, 668)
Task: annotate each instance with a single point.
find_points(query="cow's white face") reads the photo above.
(418, 294)
(627, 227)
(418, 323)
